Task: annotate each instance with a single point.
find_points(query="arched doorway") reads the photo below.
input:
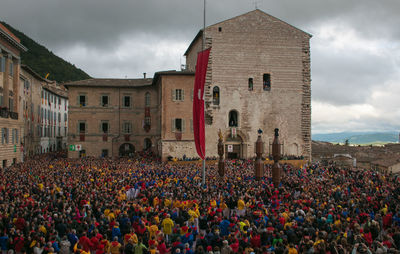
(147, 144)
(234, 147)
(126, 149)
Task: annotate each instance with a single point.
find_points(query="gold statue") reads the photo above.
(220, 135)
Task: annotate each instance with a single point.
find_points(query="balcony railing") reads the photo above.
(14, 115)
(4, 112)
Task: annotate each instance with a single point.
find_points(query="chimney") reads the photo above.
(144, 74)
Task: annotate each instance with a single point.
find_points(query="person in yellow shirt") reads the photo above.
(241, 207)
(153, 230)
(167, 225)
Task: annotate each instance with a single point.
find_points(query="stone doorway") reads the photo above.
(234, 147)
(126, 149)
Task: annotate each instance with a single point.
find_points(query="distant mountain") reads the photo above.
(359, 138)
(43, 61)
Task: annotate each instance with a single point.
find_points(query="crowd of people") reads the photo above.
(141, 205)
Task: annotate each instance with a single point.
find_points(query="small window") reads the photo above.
(266, 82)
(147, 99)
(127, 127)
(219, 29)
(82, 127)
(82, 100)
(178, 124)
(11, 70)
(250, 84)
(178, 95)
(2, 64)
(11, 103)
(127, 101)
(104, 127)
(233, 118)
(216, 95)
(104, 100)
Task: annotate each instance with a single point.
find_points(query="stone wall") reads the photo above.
(249, 46)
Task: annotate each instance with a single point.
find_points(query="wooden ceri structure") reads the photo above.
(276, 155)
(221, 162)
(259, 164)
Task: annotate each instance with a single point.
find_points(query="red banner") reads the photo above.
(198, 103)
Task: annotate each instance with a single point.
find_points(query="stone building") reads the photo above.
(258, 77)
(11, 124)
(112, 117)
(44, 113)
(54, 118)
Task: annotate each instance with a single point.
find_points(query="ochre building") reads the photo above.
(11, 124)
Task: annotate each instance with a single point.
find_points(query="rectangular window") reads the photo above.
(59, 131)
(104, 100)
(11, 70)
(105, 127)
(178, 124)
(1, 99)
(250, 84)
(6, 135)
(2, 64)
(127, 127)
(127, 101)
(11, 103)
(82, 100)
(266, 82)
(65, 131)
(59, 117)
(3, 137)
(16, 136)
(178, 94)
(12, 136)
(65, 117)
(82, 127)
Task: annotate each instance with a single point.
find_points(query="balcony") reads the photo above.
(105, 137)
(4, 112)
(14, 115)
(82, 137)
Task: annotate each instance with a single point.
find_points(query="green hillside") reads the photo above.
(43, 61)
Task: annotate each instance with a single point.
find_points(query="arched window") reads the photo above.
(233, 118)
(216, 95)
(147, 99)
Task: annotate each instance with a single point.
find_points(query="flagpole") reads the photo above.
(203, 45)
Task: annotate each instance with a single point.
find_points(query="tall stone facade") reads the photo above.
(259, 68)
(11, 125)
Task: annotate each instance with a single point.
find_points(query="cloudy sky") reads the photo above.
(355, 50)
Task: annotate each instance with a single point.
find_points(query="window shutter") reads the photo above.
(173, 93)
(86, 127)
(183, 94)
(183, 126)
(172, 125)
(3, 64)
(191, 94)
(100, 130)
(77, 100)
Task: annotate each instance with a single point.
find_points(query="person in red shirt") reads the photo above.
(85, 242)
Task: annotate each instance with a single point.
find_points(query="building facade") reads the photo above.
(44, 113)
(11, 125)
(53, 118)
(112, 117)
(258, 77)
